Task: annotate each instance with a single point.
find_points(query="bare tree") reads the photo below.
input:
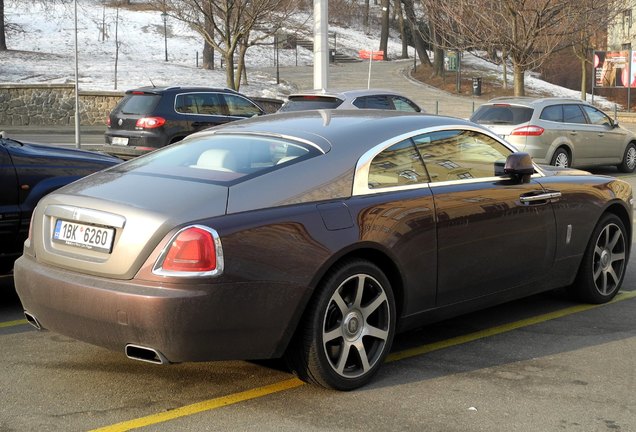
(384, 31)
(230, 26)
(527, 30)
(590, 28)
(418, 38)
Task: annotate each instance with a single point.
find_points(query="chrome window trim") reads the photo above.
(269, 135)
(218, 249)
(361, 174)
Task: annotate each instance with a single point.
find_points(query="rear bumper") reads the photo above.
(191, 323)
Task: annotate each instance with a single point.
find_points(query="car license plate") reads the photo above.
(84, 236)
(120, 141)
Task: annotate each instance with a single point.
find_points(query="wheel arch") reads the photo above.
(565, 146)
(623, 214)
(375, 255)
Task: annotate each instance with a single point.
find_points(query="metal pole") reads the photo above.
(165, 33)
(77, 112)
(321, 44)
(277, 68)
(414, 60)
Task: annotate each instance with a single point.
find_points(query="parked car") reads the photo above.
(350, 99)
(561, 132)
(27, 173)
(151, 117)
(315, 236)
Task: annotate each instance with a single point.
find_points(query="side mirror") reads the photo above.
(519, 165)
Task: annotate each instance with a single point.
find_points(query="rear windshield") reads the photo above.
(222, 157)
(502, 114)
(303, 103)
(139, 104)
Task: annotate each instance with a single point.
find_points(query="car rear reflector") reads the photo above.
(150, 122)
(528, 131)
(193, 251)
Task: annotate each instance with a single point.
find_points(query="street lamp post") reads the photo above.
(165, 33)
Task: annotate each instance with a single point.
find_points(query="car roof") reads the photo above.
(177, 89)
(346, 94)
(358, 130)
(533, 101)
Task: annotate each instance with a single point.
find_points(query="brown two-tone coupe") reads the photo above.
(314, 236)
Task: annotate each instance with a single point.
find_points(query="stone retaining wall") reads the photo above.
(54, 105)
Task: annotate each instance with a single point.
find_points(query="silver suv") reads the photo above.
(559, 131)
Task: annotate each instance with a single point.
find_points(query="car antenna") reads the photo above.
(153, 84)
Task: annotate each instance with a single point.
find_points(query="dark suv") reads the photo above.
(151, 117)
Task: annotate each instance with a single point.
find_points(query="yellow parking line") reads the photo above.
(13, 323)
(203, 406)
(294, 382)
(501, 329)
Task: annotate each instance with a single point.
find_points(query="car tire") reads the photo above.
(629, 159)
(561, 158)
(347, 329)
(603, 267)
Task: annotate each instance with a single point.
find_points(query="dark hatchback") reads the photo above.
(148, 118)
(27, 173)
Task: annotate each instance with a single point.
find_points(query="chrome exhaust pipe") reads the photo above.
(31, 319)
(145, 354)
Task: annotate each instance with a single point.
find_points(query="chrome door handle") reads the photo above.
(547, 196)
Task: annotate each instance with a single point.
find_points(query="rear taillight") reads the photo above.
(193, 251)
(108, 122)
(528, 131)
(150, 122)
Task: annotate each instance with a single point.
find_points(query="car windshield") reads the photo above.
(502, 114)
(139, 104)
(222, 157)
(304, 103)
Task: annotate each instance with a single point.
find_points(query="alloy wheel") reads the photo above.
(609, 259)
(356, 326)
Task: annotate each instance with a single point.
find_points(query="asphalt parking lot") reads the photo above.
(539, 364)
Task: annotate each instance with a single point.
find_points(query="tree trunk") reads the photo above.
(3, 40)
(384, 33)
(365, 16)
(207, 62)
(420, 46)
(583, 78)
(229, 70)
(405, 45)
(241, 71)
(519, 80)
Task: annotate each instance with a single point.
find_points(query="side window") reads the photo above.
(212, 104)
(597, 117)
(461, 154)
(397, 165)
(185, 104)
(402, 104)
(573, 114)
(372, 102)
(241, 107)
(552, 113)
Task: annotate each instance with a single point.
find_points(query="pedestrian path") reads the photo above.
(392, 75)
